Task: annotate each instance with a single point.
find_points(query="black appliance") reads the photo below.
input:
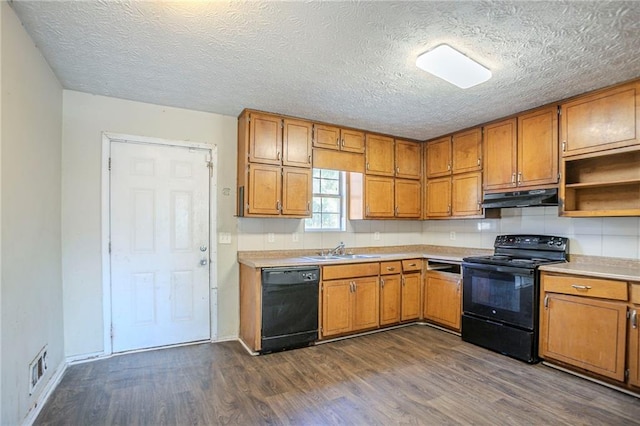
(500, 297)
(531, 198)
(289, 307)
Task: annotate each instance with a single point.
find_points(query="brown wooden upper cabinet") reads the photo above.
(603, 120)
(379, 155)
(459, 153)
(408, 159)
(522, 151)
(273, 139)
(336, 138)
(438, 159)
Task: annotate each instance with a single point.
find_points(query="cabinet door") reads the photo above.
(605, 120)
(439, 197)
(410, 297)
(379, 155)
(538, 147)
(296, 143)
(408, 201)
(439, 157)
(265, 138)
(264, 189)
(634, 346)
(408, 159)
(378, 199)
(296, 192)
(336, 307)
(442, 299)
(466, 194)
(466, 151)
(326, 136)
(352, 141)
(584, 332)
(389, 299)
(500, 155)
(366, 303)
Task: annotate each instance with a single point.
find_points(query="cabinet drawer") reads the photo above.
(354, 270)
(411, 265)
(392, 267)
(634, 293)
(581, 286)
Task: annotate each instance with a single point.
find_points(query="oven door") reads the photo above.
(500, 293)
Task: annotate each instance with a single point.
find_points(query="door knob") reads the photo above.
(203, 248)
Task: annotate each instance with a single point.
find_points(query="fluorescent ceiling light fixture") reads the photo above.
(452, 66)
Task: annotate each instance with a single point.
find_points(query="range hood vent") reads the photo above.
(532, 198)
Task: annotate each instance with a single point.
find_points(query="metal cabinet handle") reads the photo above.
(382, 282)
(367, 166)
(519, 178)
(546, 301)
(634, 319)
(309, 159)
(278, 155)
(448, 166)
(564, 146)
(278, 205)
(397, 170)
(390, 268)
(581, 287)
(342, 141)
(479, 161)
(513, 178)
(412, 264)
(396, 211)
(449, 208)
(337, 141)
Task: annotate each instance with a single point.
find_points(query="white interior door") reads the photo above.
(160, 258)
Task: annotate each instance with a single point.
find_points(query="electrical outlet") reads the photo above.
(376, 236)
(452, 235)
(271, 238)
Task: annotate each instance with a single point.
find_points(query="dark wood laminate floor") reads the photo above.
(411, 375)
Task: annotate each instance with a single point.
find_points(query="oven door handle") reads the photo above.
(496, 268)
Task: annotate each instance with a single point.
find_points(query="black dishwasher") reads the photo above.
(289, 307)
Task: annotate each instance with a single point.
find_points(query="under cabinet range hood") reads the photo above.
(532, 198)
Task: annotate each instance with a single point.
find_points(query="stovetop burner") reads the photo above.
(524, 251)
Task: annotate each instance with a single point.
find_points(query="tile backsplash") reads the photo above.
(608, 236)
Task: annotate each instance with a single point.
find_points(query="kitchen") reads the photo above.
(69, 279)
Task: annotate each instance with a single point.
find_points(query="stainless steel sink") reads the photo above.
(341, 257)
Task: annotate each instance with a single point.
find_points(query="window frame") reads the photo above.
(341, 196)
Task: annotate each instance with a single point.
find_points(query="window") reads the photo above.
(328, 204)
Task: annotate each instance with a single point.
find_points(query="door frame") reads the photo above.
(107, 138)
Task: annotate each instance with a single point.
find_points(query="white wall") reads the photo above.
(85, 117)
(612, 237)
(31, 284)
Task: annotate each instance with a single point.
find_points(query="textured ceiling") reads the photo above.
(350, 63)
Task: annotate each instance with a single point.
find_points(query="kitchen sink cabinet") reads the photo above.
(336, 138)
(350, 298)
(443, 295)
(390, 292)
(379, 155)
(583, 323)
(603, 120)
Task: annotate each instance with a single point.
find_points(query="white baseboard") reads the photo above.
(48, 389)
(79, 359)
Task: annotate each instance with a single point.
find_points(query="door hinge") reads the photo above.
(109, 163)
(282, 124)
(109, 247)
(111, 331)
(626, 374)
(559, 110)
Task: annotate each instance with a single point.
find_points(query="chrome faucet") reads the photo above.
(339, 249)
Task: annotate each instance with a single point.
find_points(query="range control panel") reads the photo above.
(532, 242)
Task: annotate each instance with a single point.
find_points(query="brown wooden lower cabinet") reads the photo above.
(442, 299)
(589, 323)
(588, 333)
(390, 292)
(410, 297)
(350, 304)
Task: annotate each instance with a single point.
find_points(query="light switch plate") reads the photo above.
(224, 238)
